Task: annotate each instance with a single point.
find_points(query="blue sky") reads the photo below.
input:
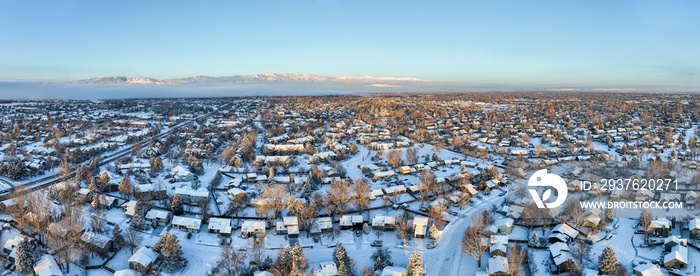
(526, 43)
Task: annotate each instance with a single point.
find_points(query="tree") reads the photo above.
(176, 205)
(415, 264)
(299, 263)
(471, 241)
(394, 158)
(117, 237)
(345, 265)
(26, 255)
(609, 214)
(382, 258)
(132, 239)
(283, 264)
(607, 264)
(231, 260)
(156, 164)
(644, 221)
(434, 232)
(340, 195)
(274, 197)
(169, 247)
(66, 244)
(257, 246)
(125, 186)
(361, 198)
(411, 155)
(403, 226)
(516, 258)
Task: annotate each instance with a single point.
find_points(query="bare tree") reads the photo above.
(340, 195)
(65, 241)
(361, 199)
(516, 258)
(394, 158)
(472, 243)
(275, 198)
(132, 239)
(231, 260)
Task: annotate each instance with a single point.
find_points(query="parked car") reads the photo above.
(377, 243)
(189, 236)
(432, 244)
(423, 209)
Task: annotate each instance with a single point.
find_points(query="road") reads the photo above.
(446, 258)
(106, 158)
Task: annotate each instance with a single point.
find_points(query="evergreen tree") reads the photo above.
(299, 263)
(382, 258)
(415, 264)
(607, 264)
(117, 237)
(169, 247)
(283, 264)
(176, 205)
(345, 265)
(25, 255)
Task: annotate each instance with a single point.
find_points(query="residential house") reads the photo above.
(158, 217)
(320, 225)
(498, 266)
(694, 227)
(143, 259)
(221, 226)
(351, 221)
(47, 266)
(660, 227)
(420, 227)
(181, 174)
(327, 269)
(190, 196)
(560, 255)
(677, 258)
(253, 227)
(384, 223)
(150, 192)
(648, 270)
(186, 224)
(96, 242)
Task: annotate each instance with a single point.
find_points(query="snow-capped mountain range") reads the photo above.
(252, 79)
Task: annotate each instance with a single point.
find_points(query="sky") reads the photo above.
(515, 43)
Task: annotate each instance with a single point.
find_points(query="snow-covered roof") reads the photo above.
(157, 214)
(678, 252)
(392, 271)
(694, 224)
(660, 223)
(179, 170)
(144, 256)
(250, 226)
(566, 230)
(201, 192)
(420, 221)
(125, 272)
(46, 266)
(95, 239)
(327, 269)
(190, 223)
(498, 264)
(648, 270)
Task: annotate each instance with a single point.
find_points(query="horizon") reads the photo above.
(504, 45)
